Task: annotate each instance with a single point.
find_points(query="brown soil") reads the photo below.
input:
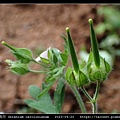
(38, 27)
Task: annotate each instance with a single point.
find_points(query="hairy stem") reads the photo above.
(79, 99)
(86, 93)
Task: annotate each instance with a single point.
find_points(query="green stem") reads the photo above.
(79, 99)
(86, 93)
(94, 101)
(94, 107)
(97, 90)
(39, 63)
(36, 71)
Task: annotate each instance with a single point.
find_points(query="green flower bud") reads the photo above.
(43, 57)
(98, 68)
(22, 54)
(81, 79)
(56, 56)
(77, 79)
(70, 76)
(52, 56)
(96, 73)
(18, 67)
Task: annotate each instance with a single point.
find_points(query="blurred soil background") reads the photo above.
(37, 27)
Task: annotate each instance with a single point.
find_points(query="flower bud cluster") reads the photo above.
(18, 67)
(88, 72)
(95, 68)
(96, 73)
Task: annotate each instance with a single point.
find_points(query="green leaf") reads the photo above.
(34, 91)
(41, 106)
(59, 94)
(43, 103)
(49, 54)
(56, 51)
(65, 39)
(53, 74)
(49, 79)
(64, 57)
(56, 55)
(44, 60)
(48, 86)
(54, 71)
(66, 45)
(55, 59)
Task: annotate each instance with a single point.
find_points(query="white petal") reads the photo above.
(43, 55)
(38, 59)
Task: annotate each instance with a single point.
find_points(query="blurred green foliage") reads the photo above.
(110, 26)
(111, 19)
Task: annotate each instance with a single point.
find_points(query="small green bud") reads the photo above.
(22, 54)
(18, 67)
(96, 73)
(77, 79)
(70, 76)
(56, 56)
(52, 56)
(81, 79)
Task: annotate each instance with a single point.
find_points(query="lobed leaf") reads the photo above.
(59, 94)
